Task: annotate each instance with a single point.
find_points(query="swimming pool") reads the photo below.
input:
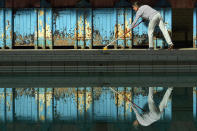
(87, 101)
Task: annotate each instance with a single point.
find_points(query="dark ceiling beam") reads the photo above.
(94, 3)
(162, 3)
(2, 3)
(123, 3)
(45, 3)
(83, 4)
(182, 3)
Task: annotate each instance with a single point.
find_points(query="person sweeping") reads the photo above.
(154, 18)
(155, 112)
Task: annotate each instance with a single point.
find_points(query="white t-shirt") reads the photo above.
(148, 118)
(146, 12)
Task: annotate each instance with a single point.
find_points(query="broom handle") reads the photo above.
(126, 99)
(125, 33)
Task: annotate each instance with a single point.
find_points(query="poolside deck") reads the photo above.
(127, 60)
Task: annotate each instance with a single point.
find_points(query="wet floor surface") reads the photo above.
(98, 106)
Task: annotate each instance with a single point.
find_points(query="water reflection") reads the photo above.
(155, 112)
(86, 102)
(81, 104)
(95, 108)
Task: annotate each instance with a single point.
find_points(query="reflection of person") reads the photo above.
(154, 114)
(148, 13)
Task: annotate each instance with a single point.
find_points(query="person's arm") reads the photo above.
(138, 15)
(139, 117)
(135, 110)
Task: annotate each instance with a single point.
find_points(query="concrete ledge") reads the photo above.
(139, 68)
(63, 80)
(98, 61)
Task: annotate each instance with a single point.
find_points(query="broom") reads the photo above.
(105, 48)
(127, 99)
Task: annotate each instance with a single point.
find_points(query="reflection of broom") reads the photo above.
(127, 99)
(105, 48)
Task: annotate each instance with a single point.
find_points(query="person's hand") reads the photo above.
(136, 124)
(144, 20)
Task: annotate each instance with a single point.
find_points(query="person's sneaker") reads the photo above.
(151, 48)
(170, 47)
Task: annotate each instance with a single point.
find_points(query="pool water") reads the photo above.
(94, 102)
